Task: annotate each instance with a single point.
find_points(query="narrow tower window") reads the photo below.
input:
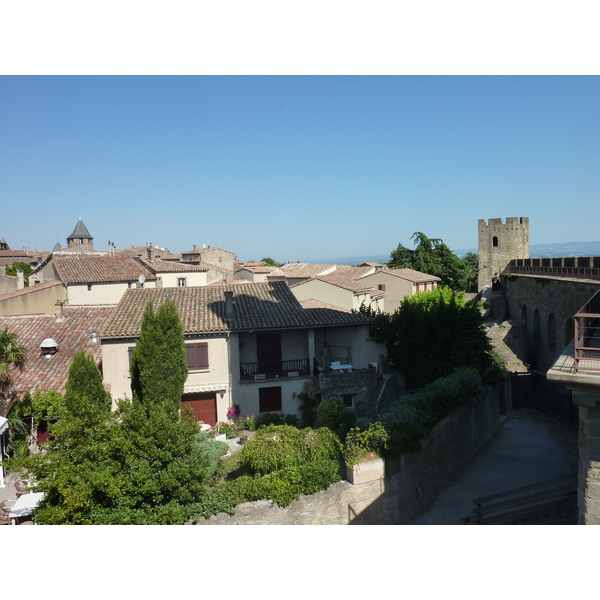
(495, 241)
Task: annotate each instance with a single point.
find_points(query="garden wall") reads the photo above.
(411, 484)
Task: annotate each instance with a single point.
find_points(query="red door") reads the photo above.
(204, 405)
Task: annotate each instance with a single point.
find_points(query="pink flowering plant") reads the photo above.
(233, 411)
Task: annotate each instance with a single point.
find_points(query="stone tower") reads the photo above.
(80, 239)
(498, 244)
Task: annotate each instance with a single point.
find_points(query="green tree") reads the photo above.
(433, 257)
(20, 266)
(158, 365)
(432, 334)
(12, 356)
(271, 262)
(84, 390)
(139, 465)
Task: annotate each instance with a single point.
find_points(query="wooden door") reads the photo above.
(204, 405)
(268, 352)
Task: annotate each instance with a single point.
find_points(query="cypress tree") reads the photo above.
(159, 367)
(85, 393)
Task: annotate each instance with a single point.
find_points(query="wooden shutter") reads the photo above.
(269, 399)
(197, 355)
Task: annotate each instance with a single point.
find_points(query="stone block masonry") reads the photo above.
(498, 244)
(412, 484)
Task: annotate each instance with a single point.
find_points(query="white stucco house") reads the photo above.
(253, 345)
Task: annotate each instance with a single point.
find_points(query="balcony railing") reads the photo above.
(587, 336)
(574, 272)
(270, 370)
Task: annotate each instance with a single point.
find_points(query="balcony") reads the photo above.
(273, 370)
(587, 336)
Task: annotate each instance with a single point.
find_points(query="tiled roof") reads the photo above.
(257, 269)
(254, 263)
(165, 266)
(202, 309)
(172, 257)
(410, 275)
(30, 254)
(311, 303)
(339, 281)
(100, 269)
(229, 282)
(30, 290)
(201, 250)
(300, 270)
(71, 335)
(353, 272)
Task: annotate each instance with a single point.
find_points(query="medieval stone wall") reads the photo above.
(543, 308)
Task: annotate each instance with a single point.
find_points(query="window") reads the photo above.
(129, 285)
(495, 241)
(381, 287)
(197, 356)
(181, 282)
(269, 399)
(348, 400)
(89, 287)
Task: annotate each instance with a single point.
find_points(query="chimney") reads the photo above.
(20, 280)
(229, 308)
(60, 311)
(194, 246)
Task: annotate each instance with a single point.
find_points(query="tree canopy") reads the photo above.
(138, 465)
(432, 334)
(433, 257)
(20, 266)
(158, 365)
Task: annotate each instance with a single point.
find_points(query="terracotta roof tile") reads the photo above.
(166, 266)
(72, 334)
(202, 309)
(410, 275)
(299, 270)
(100, 269)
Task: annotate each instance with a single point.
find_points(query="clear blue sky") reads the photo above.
(296, 167)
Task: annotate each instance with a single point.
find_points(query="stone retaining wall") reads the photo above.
(400, 497)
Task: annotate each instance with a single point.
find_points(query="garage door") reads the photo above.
(204, 405)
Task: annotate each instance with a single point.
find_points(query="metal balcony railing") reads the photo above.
(281, 368)
(587, 336)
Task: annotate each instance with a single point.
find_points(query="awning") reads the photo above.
(209, 387)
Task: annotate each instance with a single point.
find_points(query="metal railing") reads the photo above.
(587, 336)
(270, 370)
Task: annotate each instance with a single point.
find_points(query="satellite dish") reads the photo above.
(142, 278)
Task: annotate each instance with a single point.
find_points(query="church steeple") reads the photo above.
(80, 238)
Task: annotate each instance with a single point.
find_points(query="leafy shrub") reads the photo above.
(359, 444)
(267, 419)
(229, 429)
(291, 420)
(406, 424)
(333, 414)
(411, 417)
(285, 462)
(222, 498)
(214, 448)
(308, 407)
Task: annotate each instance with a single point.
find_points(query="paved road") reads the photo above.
(530, 447)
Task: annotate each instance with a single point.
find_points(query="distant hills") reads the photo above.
(535, 251)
